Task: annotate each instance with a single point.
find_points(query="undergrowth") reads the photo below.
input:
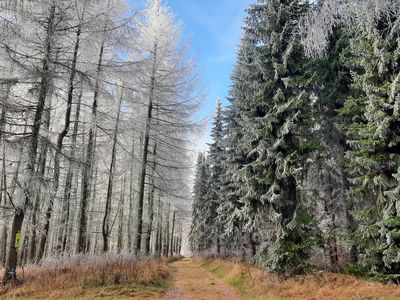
(254, 283)
(85, 277)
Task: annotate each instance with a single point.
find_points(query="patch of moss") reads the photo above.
(238, 283)
(153, 288)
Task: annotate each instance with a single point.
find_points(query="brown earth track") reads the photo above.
(192, 282)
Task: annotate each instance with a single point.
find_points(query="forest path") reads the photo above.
(191, 281)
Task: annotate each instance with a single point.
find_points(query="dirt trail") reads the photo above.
(191, 281)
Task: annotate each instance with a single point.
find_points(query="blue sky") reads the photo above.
(214, 28)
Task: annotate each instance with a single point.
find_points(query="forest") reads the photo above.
(97, 99)
(103, 185)
(303, 171)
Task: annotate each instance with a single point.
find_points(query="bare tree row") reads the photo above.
(95, 126)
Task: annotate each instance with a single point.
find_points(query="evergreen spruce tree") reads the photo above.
(309, 144)
(238, 227)
(216, 160)
(277, 127)
(374, 136)
(206, 230)
(327, 182)
(198, 239)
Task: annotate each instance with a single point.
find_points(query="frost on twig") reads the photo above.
(319, 23)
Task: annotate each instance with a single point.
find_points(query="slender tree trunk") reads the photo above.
(131, 198)
(31, 251)
(106, 231)
(11, 263)
(159, 227)
(92, 206)
(150, 214)
(121, 217)
(60, 141)
(3, 194)
(87, 169)
(41, 171)
(143, 171)
(3, 253)
(149, 230)
(157, 247)
(172, 233)
(65, 206)
(73, 211)
(12, 191)
(167, 237)
(180, 242)
(96, 237)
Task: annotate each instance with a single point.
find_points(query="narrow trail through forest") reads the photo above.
(191, 281)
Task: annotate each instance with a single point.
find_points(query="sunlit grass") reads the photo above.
(86, 277)
(253, 283)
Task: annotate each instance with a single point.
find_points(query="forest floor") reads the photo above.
(253, 283)
(186, 279)
(107, 277)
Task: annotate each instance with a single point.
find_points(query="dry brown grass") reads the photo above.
(87, 277)
(257, 284)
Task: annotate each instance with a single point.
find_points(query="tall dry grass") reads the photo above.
(257, 284)
(78, 273)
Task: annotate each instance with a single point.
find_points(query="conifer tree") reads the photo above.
(197, 237)
(327, 182)
(216, 160)
(278, 123)
(232, 213)
(374, 137)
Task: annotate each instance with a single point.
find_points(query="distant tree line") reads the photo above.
(304, 168)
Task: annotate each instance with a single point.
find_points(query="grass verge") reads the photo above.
(253, 283)
(88, 277)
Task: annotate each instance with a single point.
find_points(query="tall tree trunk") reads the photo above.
(41, 171)
(91, 207)
(3, 250)
(172, 233)
(60, 141)
(159, 227)
(31, 251)
(65, 206)
(147, 237)
(10, 271)
(3, 194)
(106, 230)
(121, 217)
(12, 191)
(150, 214)
(167, 237)
(88, 165)
(11, 263)
(180, 242)
(131, 198)
(143, 171)
(73, 212)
